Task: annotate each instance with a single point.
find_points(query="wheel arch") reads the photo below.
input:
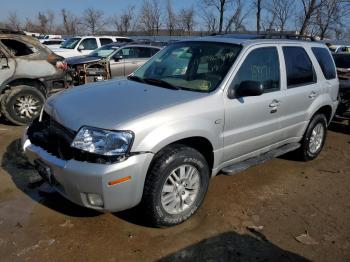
(26, 81)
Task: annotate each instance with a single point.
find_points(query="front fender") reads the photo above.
(169, 133)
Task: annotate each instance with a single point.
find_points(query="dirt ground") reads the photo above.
(256, 215)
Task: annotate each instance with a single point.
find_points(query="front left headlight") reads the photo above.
(103, 142)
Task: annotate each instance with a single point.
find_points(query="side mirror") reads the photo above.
(81, 48)
(117, 58)
(247, 88)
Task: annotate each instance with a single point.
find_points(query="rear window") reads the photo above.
(105, 41)
(299, 67)
(325, 61)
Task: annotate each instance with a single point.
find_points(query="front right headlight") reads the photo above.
(103, 142)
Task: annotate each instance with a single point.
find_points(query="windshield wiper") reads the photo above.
(136, 78)
(161, 83)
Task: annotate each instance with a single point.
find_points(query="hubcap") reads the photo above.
(316, 138)
(180, 189)
(27, 106)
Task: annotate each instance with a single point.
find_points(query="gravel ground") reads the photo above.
(282, 210)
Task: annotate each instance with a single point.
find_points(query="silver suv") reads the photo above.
(195, 109)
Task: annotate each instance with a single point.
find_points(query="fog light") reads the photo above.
(95, 200)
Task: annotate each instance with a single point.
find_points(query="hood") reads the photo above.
(78, 60)
(112, 103)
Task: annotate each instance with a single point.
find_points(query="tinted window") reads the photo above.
(105, 41)
(144, 52)
(154, 51)
(299, 67)
(261, 65)
(124, 40)
(89, 43)
(18, 48)
(325, 60)
(342, 61)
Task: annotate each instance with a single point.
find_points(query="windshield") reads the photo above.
(104, 51)
(70, 43)
(342, 61)
(194, 66)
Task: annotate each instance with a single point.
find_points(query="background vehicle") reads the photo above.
(112, 60)
(197, 108)
(53, 43)
(342, 62)
(78, 46)
(339, 49)
(28, 73)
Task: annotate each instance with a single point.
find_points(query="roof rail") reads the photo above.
(281, 35)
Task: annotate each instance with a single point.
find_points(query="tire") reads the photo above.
(309, 151)
(167, 162)
(29, 97)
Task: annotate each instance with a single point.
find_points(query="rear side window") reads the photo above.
(105, 41)
(342, 60)
(326, 62)
(261, 65)
(300, 70)
(18, 48)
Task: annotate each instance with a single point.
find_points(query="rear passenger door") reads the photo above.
(301, 90)
(252, 124)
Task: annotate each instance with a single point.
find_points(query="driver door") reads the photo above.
(252, 123)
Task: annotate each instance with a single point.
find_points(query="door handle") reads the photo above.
(275, 103)
(313, 94)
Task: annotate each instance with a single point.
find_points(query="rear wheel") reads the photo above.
(21, 104)
(314, 138)
(175, 185)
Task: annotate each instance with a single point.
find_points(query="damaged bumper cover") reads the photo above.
(76, 180)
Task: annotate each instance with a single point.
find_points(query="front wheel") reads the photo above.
(175, 185)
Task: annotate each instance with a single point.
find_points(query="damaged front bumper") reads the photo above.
(78, 181)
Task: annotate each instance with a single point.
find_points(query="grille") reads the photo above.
(52, 137)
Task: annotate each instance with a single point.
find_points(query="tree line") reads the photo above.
(323, 18)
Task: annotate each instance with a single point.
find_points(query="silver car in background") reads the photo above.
(197, 108)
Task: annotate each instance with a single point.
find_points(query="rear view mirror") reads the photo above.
(247, 88)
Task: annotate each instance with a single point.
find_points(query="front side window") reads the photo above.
(18, 48)
(342, 60)
(89, 43)
(261, 65)
(194, 66)
(325, 61)
(71, 43)
(103, 51)
(128, 52)
(300, 70)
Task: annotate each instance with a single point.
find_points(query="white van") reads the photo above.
(77, 46)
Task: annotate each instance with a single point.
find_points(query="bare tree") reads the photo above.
(171, 19)
(71, 23)
(150, 16)
(237, 18)
(258, 4)
(43, 23)
(93, 20)
(309, 9)
(125, 21)
(281, 11)
(210, 20)
(329, 15)
(50, 15)
(220, 5)
(13, 21)
(186, 20)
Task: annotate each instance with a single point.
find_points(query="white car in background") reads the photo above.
(78, 46)
(53, 43)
